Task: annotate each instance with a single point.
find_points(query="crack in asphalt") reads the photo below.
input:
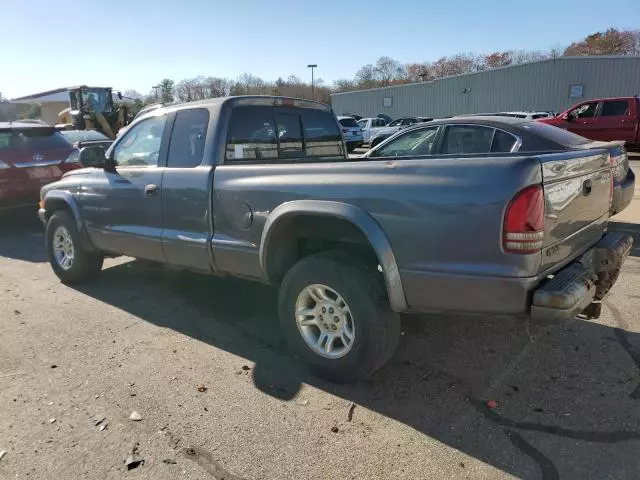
(547, 468)
(586, 435)
(623, 340)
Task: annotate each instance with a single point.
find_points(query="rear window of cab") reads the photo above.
(265, 133)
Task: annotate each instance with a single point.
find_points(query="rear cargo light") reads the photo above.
(524, 221)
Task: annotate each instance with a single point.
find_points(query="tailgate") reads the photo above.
(577, 187)
(623, 177)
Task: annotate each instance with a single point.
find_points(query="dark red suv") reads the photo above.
(31, 155)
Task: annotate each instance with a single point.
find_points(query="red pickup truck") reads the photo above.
(603, 119)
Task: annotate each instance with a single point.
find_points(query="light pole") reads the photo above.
(155, 88)
(313, 93)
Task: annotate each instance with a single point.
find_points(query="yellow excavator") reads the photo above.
(93, 108)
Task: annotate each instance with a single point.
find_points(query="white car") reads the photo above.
(370, 126)
(524, 115)
(351, 132)
(527, 115)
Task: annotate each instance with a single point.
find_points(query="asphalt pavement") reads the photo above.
(202, 362)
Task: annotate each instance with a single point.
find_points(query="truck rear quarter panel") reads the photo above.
(441, 217)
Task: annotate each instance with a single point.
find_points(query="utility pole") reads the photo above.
(313, 92)
(155, 88)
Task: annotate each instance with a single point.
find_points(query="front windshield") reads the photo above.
(96, 99)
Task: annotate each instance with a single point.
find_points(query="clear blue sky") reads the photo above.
(135, 43)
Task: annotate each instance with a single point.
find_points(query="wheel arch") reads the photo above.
(276, 228)
(56, 200)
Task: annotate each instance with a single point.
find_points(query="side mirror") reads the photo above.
(93, 157)
(119, 95)
(568, 117)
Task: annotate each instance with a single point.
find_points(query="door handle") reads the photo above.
(150, 189)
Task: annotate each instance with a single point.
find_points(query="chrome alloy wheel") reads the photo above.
(63, 249)
(324, 321)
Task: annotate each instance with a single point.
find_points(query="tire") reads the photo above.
(375, 329)
(80, 264)
(375, 142)
(350, 148)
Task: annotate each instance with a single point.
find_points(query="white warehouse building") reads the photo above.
(547, 85)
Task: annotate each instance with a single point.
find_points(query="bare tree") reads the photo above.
(498, 59)
(344, 85)
(387, 71)
(635, 42)
(417, 72)
(366, 76)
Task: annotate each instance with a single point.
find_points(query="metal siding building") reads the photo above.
(543, 85)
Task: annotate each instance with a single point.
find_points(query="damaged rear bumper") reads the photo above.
(578, 288)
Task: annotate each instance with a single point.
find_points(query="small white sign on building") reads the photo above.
(387, 101)
(576, 91)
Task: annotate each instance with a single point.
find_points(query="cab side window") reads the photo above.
(140, 146)
(586, 110)
(186, 147)
(415, 142)
(615, 108)
(464, 139)
(503, 142)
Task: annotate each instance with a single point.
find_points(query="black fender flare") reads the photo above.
(356, 216)
(62, 200)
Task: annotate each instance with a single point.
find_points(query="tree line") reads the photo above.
(388, 71)
(385, 72)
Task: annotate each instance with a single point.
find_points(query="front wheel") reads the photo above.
(69, 261)
(335, 316)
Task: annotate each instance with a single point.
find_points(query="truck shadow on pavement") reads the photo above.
(566, 404)
(24, 225)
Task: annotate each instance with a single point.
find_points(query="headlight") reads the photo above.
(74, 157)
(3, 165)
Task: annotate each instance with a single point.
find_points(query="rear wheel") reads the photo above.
(69, 261)
(335, 316)
(350, 148)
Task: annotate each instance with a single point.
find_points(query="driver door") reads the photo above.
(583, 122)
(122, 208)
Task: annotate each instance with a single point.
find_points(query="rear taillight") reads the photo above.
(524, 221)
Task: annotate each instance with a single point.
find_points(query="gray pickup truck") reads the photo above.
(476, 216)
